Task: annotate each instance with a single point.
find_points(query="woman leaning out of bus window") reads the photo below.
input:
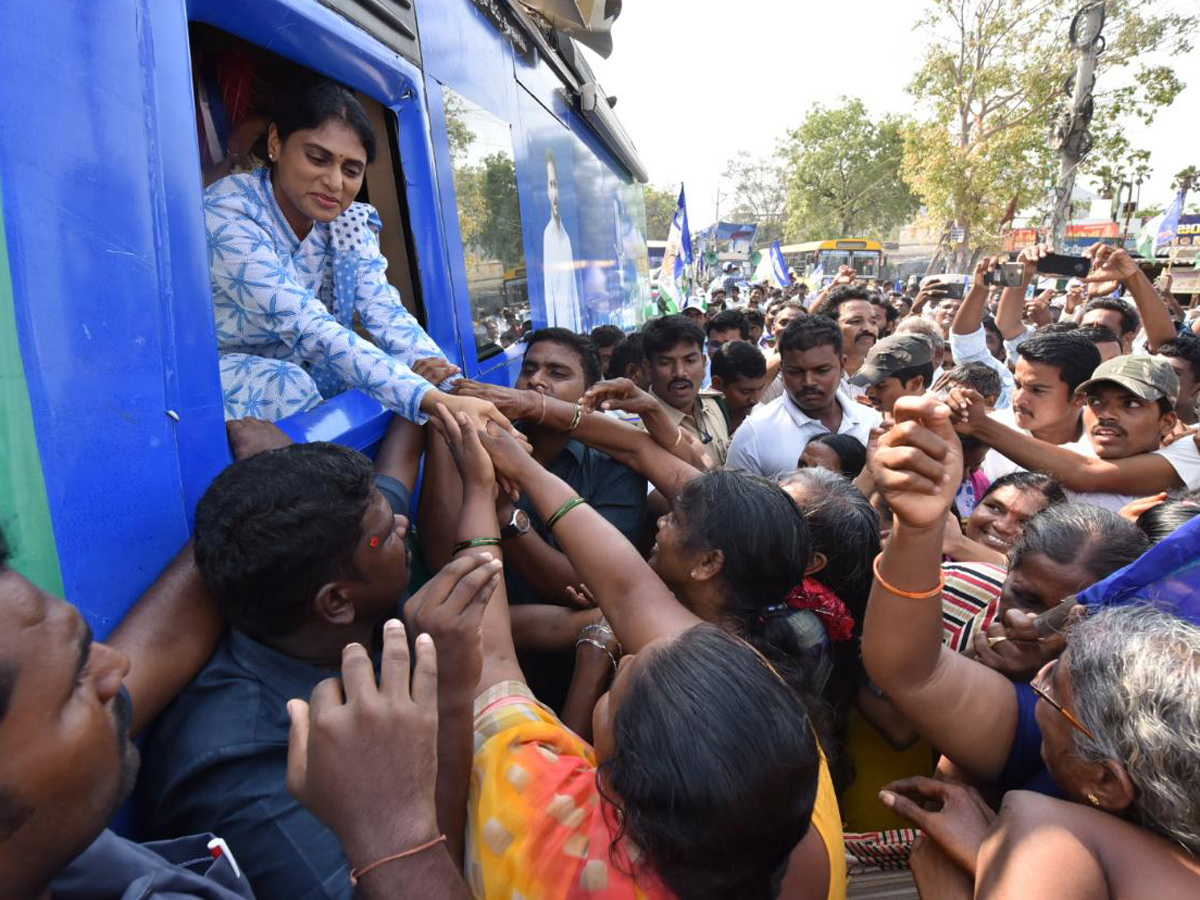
(293, 258)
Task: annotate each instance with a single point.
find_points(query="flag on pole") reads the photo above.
(1168, 575)
(677, 257)
(779, 266)
(1169, 228)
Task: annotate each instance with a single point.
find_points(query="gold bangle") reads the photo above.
(910, 595)
(578, 417)
(542, 417)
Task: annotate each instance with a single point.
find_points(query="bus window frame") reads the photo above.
(352, 56)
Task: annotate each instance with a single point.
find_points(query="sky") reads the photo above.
(698, 80)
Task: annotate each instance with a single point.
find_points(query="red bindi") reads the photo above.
(374, 542)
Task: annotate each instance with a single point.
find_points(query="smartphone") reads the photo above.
(1068, 266)
(954, 290)
(1007, 275)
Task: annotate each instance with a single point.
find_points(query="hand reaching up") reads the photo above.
(358, 748)
(918, 464)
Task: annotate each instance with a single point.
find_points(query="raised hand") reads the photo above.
(362, 757)
(435, 370)
(509, 458)
(983, 268)
(1029, 259)
(918, 464)
(449, 608)
(1110, 266)
(249, 437)
(619, 393)
(958, 827)
(512, 403)
(968, 409)
(474, 465)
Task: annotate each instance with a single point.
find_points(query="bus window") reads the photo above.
(866, 263)
(489, 217)
(236, 85)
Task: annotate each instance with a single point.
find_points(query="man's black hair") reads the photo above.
(727, 319)
(271, 530)
(1186, 348)
(755, 317)
(1058, 328)
(1098, 334)
(843, 293)
(664, 333)
(1074, 357)
(628, 352)
(925, 370)
(1130, 320)
(989, 325)
(607, 336)
(891, 314)
(738, 359)
(807, 332)
(589, 357)
(976, 375)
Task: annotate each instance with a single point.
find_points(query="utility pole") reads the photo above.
(1069, 134)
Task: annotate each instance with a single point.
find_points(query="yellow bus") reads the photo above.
(862, 254)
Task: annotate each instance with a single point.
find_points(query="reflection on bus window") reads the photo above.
(489, 216)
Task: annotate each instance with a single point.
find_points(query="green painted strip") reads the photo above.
(24, 508)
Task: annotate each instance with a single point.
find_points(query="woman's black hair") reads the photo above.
(315, 104)
(849, 450)
(845, 530)
(714, 769)
(1030, 481)
(1095, 538)
(764, 539)
(1160, 521)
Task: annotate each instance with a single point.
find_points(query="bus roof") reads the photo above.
(834, 244)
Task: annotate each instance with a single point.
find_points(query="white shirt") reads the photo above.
(1182, 455)
(1184, 459)
(973, 347)
(558, 267)
(771, 440)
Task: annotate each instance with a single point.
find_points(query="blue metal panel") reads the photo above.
(102, 298)
(102, 203)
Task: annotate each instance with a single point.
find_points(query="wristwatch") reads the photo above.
(517, 525)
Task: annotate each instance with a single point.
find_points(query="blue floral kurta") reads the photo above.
(285, 307)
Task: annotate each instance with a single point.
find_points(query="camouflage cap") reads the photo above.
(891, 355)
(1148, 377)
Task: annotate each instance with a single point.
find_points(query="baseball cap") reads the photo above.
(1147, 377)
(693, 302)
(891, 355)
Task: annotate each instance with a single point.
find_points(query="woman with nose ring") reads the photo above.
(293, 258)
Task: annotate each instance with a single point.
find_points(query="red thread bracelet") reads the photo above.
(357, 874)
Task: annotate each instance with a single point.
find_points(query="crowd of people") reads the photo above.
(768, 594)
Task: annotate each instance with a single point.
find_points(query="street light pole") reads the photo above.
(1070, 135)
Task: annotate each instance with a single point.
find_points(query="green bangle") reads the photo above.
(475, 542)
(563, 510)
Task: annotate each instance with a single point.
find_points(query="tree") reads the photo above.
(843, 174)
(759, 194)
(993, 78)
(1186, 179)
(661, 203)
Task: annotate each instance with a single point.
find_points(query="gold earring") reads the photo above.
(1092, 799)
(693, 574)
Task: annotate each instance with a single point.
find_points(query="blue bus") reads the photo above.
(114, 116)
